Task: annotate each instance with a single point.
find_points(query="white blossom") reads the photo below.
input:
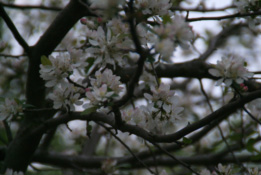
(108, 47)
(105, 87)
(135, 116)
(163, 108)
(108, 166)
(163, 172)
(171, 34)
(66, 97)
(226, 170)
(61, 67)
(230, 69)
(205, 172)
(11, 172)
(106, 77)
(9, 108)
(165, 47)
(77, 59)
(254, 171)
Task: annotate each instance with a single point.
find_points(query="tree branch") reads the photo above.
(223, 17)
(29, 7)
(13, 29)
(21, 149)
(76, 162)
(212, 119)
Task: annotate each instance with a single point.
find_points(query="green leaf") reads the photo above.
(151, 59)
(2, 99)
(45, 61)
(236, 136)
(28, 106)
(89, 128)
(166, 19)
(90, 61)
(250, 145)
(256, 157)
(89, 110)
(187, 140)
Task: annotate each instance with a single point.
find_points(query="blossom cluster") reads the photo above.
(56, 71)
(9, 109)
(162, 111)
(66, 96)
(230, 69)
(104, 88)
(111, 46)
(171, 34)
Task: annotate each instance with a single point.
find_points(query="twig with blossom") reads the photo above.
(143, 55)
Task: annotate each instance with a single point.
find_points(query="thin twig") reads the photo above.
(174, 158)
(143, 55)
(13, 29)
(8, 131)
(30, 7)
(12, 56)
(205, 94)
(223, 17)
(250, 115)
(219, 128)
(126, 146)
(153, 156)
(200, 9)
(75, 84)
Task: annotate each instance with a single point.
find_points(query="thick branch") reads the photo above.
(21, 150)
(191, 69)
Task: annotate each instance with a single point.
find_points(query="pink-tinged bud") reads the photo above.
(242, 85)
(99, 20)
(83, 21)
(87, 89)
(245, 88)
